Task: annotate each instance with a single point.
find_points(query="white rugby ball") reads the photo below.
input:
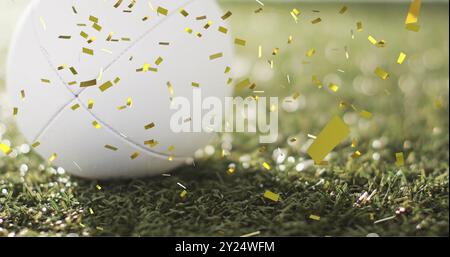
(89, 79)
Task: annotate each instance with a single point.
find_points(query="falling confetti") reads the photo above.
(271, 196)
(333, 133)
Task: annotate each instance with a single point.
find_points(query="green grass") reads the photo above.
(43, 202)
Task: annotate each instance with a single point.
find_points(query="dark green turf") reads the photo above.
(42, 202)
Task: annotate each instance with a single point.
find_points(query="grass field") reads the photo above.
(410, 115)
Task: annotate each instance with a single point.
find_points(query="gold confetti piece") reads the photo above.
(243, 84)
(22, 95)
(183, 194)
(170, 87)
(266, 166)
(400, 160)
(126, 39)
(110, 35)
(93, 19)
(65, 37)
(134, 155)
(100, 75)
(295, 13)
(184, 13)
(164, 43)
(162, 11)
(223, 30)
(118, 3)
(215, 56)
(73, 70)
(372, 40)
(413, 12)
(311, 52)
(112, 148)
(36, 144)
(145, 18)
(356, 154)
(88, 83)
(207, 25)
(354, 143)
(129, 102)
(275, 51)
(88, 51)
(252, 234)
(260, 51)
(240, 42)
(92, 39)
(333, 133)
(106, 86)
(74, 10)
(146, 67)
(52, 158)
(317, 81)
(231, 169)
(227, 70)
(333, 87)
(195, 84)
(75, 107)
(47, 81)
(381, 43)
(366, 114)
(151, 143)
(171, 157)
(359, 26)
(91, 211)
(401, 58)
(62, 67)
(343, 104)
(133, 2)
(96, 124)
(98, 187)
(315, 21)
(227, 15)
(90, 104)
(84, 34)
(381, 73)
(15, 111)
(311, 136)
(271, 196)
(149, 126)
(159, 61)
(171, 148)
(5, 148)
(290, 39)
(343, 9)
(259, 10)
(314, 217)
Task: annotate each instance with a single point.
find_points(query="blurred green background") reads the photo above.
(410, 115)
